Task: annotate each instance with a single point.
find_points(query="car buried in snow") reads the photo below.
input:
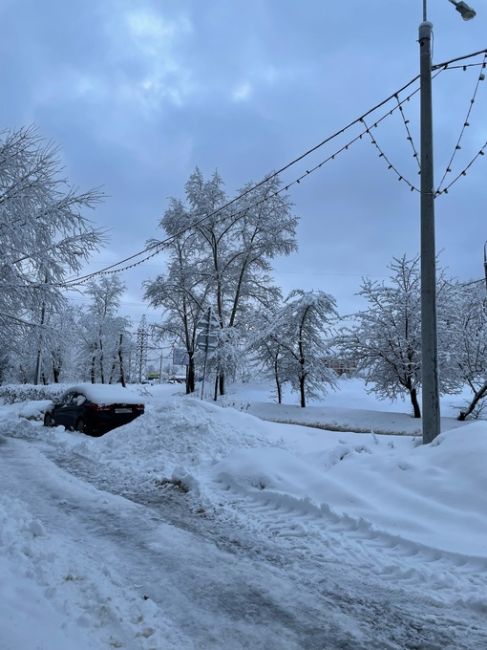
(94, 409)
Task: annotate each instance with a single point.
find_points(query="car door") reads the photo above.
(66, 412)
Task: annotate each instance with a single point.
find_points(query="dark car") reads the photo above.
(94, 409)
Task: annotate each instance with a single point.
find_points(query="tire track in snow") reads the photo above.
(310, 529)
(348, 566)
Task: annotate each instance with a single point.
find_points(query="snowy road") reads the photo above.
(155, 569)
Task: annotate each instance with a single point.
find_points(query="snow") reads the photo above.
(167, 532)
(106, 393)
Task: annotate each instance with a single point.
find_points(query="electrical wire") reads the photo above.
(159, 246)
(447, 64)
(269, 177)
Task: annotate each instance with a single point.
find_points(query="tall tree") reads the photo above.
(305, 330)
(183, 290)
(384, 341)
(229, 252)
(266, 342)
(101, 328)
(467, 350)
(43, 231)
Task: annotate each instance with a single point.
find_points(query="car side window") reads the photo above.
(79, 400)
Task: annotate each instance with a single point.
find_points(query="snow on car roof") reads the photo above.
(107, 393)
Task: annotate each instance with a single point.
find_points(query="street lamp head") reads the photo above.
(466, 12)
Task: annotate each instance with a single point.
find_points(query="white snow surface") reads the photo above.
(106, 393)
(82, 567)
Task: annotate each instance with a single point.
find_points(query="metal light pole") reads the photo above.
(429, 363)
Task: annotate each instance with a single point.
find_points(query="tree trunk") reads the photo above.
(480, 394)
(414, 401)
(215, 396)
(92, 370)
(221, 382)
(120, 360)
(56, 371)
(302, 391)
(278, 382)
(38, 369)
(190, 376)
(102, 372)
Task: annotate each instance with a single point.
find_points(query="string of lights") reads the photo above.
(409, 136)
(465, 67)
(384, 156)
(155, 248)
(465, 125)
(387, 160)
(480, 152)
(161, 245)
(269, 177)
(465, 57)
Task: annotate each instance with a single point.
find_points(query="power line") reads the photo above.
(447, 64)
(157, 247)
(269, 177)
(160, 245)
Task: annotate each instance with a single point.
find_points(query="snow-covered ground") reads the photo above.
(197, 526)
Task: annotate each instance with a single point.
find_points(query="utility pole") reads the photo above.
(429, 355)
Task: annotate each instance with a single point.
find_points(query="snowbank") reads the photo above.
(175, 434)
(431, 495)
(427, 495)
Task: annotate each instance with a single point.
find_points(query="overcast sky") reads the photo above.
(137, 93)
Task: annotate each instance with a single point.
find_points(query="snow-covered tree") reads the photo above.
(239, 244)
(468, 342)
(104, 334)
(224, 261)
(58, 345)
(266, 343)
(43, 232)
(183, 290)
(304, 328)
(384, 342)
(140, 350)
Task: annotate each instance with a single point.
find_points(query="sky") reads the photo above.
(137, 93)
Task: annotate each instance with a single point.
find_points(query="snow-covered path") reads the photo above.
(155, 570)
